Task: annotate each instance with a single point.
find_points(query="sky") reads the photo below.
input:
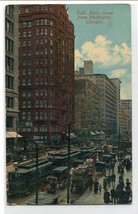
(103, 35)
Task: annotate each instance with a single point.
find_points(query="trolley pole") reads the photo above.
(68, 182)
(36, 150)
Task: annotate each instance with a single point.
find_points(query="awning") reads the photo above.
(72, 135)
(12, 135)
(92, 133)
(102, 132)
(97, 132)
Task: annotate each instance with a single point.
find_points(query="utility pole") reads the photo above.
(68, 182)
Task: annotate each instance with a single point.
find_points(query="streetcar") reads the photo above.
(22, 180)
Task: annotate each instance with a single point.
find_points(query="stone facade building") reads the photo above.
(11, 69)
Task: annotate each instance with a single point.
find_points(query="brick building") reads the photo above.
(46, 71)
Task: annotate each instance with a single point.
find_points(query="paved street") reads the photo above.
(89, 198)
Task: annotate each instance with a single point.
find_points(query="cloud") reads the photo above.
(103, 52)
(118, 73)
(78, 59)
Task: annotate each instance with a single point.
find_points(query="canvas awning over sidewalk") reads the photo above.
(12, 135)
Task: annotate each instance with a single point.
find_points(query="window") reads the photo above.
(37, 70)
(45, 31)
(9, 102)
(37, 7)
(23, 115)
(36, 115)
(41, 92)
(24, 93)
(42, 7)
(37, 103)
(46, 70)
(41, 41)
(46, 61)
(29, 24)
(42, 22)
(51, 42)
(46, 51)
(29, 33)
(37, 51)
(37, 41)
(51, 33)
(24, 104)
(29, 94)
(9, 45)
(42, 32)
(37, 32)
(9, 10)
(42, 51)
(37, 22)
(29, 53)
(29, 43)
(24, 82)
(29, 81)
(9, 27)
(37, 92)
(29, 103)
(24, 43)
(24, 24)
(27, 10)
(51, 61)
(46, 21)
(24, 34)
(46, 41)
(9, 122)
(29, 115)
(51, 23)
(9, 63)
(9, 82)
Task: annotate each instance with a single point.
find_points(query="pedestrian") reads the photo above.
(96, 184)
(106, 197)
(113, 195)
(109, 180)
(90, 182)
(113, 179)
(121, 178)
(100, 188)
(105, 183)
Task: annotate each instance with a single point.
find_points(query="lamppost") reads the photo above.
(36, 153)
(68, 181)
(28, 125)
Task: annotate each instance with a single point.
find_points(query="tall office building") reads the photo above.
(117, 83)
(46, 71)
(87, 105)
(11, 70)
(127, 106)
(108, 101)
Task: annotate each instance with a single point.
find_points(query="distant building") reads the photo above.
(127, 106)
(124, 120)
(108, 101)
(46, 71)
(12, 70)
(117, 83)
(87, 107)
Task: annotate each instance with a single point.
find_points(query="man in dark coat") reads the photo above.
(96, 184)
(106, 197)
(113, 195)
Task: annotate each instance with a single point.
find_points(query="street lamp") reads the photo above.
(68, 181)
(28, 125)
(36, 153)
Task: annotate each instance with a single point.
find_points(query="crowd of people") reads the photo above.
(115, 186)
